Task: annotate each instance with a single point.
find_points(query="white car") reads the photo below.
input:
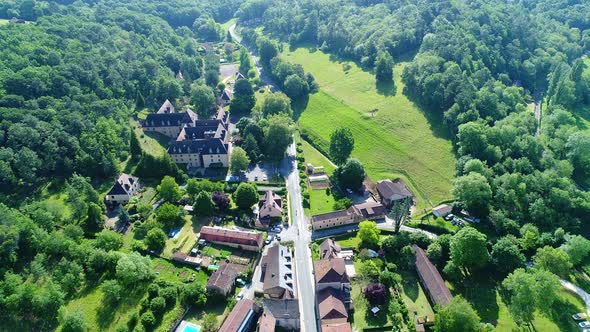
(579, 316)
(584, 324)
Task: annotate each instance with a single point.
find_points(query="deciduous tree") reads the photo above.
(341, 145)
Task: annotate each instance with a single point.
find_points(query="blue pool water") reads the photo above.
(190, 328)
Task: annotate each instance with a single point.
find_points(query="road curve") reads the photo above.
(578, 291)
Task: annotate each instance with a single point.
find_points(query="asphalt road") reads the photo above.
(305, 285)
(303, 261)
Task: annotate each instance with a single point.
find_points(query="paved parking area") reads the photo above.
(227, 70)
(262, 172)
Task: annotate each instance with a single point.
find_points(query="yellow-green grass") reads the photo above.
(151, 142)
(3, 21)
(488, 302)
(184, 242)
(399, 141)
(321, 202)
(414, 296)
(225, 25)
(316, 158)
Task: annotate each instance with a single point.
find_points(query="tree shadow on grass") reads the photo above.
(386, 88)
(410, 285)
(434, 117)
(299, 106)
(560, 314)
(481, 293)
(105, 314)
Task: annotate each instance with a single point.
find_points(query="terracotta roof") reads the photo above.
(431, 279)
(369, 210)
(330, 304)
(267, 323)
(223, 277)
(270, 204)
(340, 327)
(241, 313)
(329, 249)
(330, 270)
(221, 234)
(388, 188)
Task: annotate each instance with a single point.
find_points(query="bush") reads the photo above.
(169, 294)
(148, 319)
(376, 294)
(153, 290)
(158, 305)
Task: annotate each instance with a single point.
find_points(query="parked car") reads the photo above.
(239, 297)
(584, 324)
(269, 239)
(449, 217)
(278, 238)
(579, 316)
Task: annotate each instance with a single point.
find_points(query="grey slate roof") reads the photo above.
(123, 185)
(388, 188)
(282, 309)
(204, 146)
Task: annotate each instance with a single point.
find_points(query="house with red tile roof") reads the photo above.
(246, 240)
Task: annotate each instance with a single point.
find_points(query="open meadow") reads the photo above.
(398, 141)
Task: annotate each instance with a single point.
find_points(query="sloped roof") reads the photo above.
(270, 202)
(282, 309)
(123, 184)
(388, 188)
(203, 146)
(330, 304)
(340, 327)
(276, 271)
(329, 249)
(442, 209)
(267, 323)
(369, 210)
(223, 277)
(330, 270)
(431, 279)
(231, 236)
(240, 313)
(202, 132)
(330, 215)
(167, 119)
(166, 107)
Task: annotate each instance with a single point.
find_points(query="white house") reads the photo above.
(124, 188)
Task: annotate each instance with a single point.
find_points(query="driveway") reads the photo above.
(389, 224)
(578, 291)
(228, 70)
(262, 172)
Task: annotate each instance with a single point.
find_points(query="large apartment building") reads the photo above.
(197, 143)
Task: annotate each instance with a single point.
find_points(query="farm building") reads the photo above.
(431, 280)
(246, 240)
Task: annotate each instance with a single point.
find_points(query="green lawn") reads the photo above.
(487, 301)
(184, 242)
(321, 202)
(225, 25)
(400, 140)
(3, 21)
(151, 142)
(414, 296)
(316, 158)
(363, 317)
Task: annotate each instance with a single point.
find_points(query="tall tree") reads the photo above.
(204, 205)
(243, 99)
(553, 260)
(239, 160)
(368, 234)
(169, 189)
(203, 99)
(469, 249)
(400, 212)
(459, 315)
(341, 145)
(474, 191)
(246, 195)
(351, 174)
(384, 67)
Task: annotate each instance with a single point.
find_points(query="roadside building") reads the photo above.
(391, 192)
(242, 318)
(353, 215)
(431, 280)
(222, 281)
(276, 267)
(329, 249)
(270, 207)
(338, 327)
(442, 210)
(331, 307)
(168, 122)
(279, 313)
(246, 240)
(123, 189)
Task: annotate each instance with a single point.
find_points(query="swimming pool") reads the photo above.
(190, 328)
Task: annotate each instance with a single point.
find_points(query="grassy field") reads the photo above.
(321, 202)
(184, 242)
(487, 301)
(399, 140)
(152, 143)
(3, 21)
(315, 157)
(414, 296)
